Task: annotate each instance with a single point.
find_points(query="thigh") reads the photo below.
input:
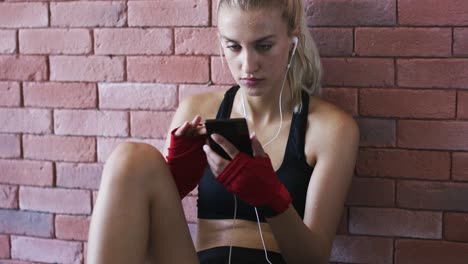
(170, 239)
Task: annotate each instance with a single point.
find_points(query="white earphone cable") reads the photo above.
(264, 145)
(233, 227)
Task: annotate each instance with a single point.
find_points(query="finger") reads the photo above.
(256, 146)
(216, 162)
(230, 149)
(196, 120)
(182, 129)
(192, 125)
(201, 130)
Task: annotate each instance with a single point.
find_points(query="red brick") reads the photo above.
(11, 261)
(433, 73)
(85, 250)
(88, 14)
(189, 204)
(19, 15)
(26, 172)
(168, 69)
(430, 252)
(407, 103)
(361, 249)
(358, 72)
(72, 227)
(371, 192)
(333, 41)
(105, 146)
(133, 41)
(197, 41)
(193, 231)
(75, 149)
(95, 194)
(462, 105)
(8, 41)
(456, 227)
(432, 12)
(343, 226)
(137, 96)
(412, 42)
(150, 124)
(91, 123)
(26, 223)
(91, 69)
(10, 147)
(395, 222)
(460, 41)
(4, 246)
(8, 196)
(446, 196)
(350, 13)
(81, 176)
(189, 90)
(46, 250)
(60, 95)
(214, 12)
(19, 120)
(377, 132)
(398, 163)
(155, 13)
(54, 200)
(65, 41)
(433, 134)
(23, 68)
(10, 94)
(220, 72)
(460, 166)
(345, 98)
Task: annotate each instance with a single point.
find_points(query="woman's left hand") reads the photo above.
(218, 163)
(252, 179)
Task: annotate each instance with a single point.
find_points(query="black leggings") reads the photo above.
(240, 255)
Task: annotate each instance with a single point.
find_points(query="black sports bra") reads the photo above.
(215, 202)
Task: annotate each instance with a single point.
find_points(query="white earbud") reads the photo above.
(295, 42)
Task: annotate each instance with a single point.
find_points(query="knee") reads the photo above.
(133, 162)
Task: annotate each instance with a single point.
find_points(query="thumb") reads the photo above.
(256, 146)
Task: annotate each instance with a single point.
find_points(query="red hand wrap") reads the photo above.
(187, 161)
(254, 181)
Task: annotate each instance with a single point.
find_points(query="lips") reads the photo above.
(251, 81)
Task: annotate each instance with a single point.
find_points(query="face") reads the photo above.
(256, 46)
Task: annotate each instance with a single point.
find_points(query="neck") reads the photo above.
(262, 110)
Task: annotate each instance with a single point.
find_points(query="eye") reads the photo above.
(264, 47)
(234, 47)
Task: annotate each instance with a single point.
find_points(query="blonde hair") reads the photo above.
(306, 70)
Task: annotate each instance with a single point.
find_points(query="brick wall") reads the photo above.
(79, 77)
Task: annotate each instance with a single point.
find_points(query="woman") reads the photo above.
(304, 151)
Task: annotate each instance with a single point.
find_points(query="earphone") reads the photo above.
(295, 42)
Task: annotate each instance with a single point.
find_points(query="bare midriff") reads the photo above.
(217, 233)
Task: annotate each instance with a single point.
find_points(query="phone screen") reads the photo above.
(235, 130)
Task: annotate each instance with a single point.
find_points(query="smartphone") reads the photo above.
(235, 130)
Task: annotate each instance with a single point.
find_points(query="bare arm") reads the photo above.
(188, 110)
(310, 240)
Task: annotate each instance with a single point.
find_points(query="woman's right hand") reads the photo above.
(191, 129)
(185, 156)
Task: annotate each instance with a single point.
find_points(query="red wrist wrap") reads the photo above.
(253, 180)
(187, 161)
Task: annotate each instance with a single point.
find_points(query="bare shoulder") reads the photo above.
(330, 127)
(204, 104)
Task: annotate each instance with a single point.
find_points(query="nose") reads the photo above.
(249, 61)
